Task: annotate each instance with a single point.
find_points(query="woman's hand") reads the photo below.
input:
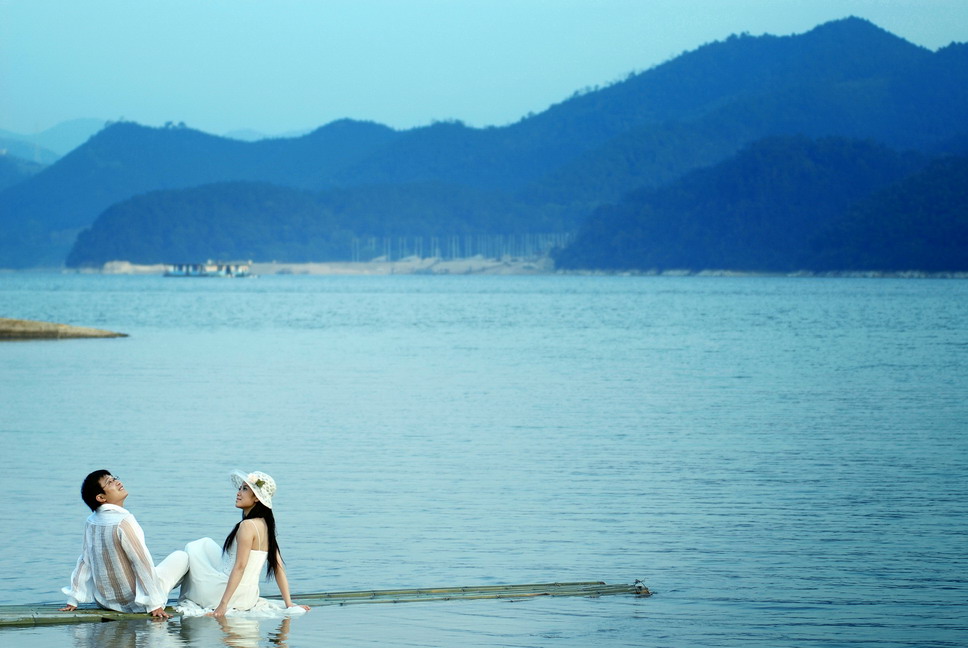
(218, 612)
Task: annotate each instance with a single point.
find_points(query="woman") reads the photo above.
(228, 578)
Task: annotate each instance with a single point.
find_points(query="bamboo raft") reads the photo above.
(49, 614)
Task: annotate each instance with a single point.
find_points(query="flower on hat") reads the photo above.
(253, 478)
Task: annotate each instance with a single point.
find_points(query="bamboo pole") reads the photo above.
(50, 614)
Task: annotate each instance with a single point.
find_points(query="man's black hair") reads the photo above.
(91, 488)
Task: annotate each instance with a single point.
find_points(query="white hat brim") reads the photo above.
(239, 478)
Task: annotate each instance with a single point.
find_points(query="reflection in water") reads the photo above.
(279, 637)
(135, 633)
(184, 632)
(244, 633)
(233, 631)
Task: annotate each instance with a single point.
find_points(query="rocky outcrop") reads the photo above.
(17, 329)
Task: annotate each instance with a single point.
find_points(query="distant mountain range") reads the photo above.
(847, 79)
(52, 143)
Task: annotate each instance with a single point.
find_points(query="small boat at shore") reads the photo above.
(208, 269)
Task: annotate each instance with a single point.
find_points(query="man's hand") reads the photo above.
(159, 613)
(68, 608)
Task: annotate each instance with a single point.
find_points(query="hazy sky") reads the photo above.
(282, 65)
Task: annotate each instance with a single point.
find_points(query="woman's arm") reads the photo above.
(243, 545)
(283, 584)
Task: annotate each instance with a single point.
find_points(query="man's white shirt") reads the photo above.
(115, 567)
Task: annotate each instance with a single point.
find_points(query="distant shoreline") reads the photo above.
(482, 266)
(412, 265)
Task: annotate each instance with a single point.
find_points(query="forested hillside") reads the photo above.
(789, 204)
(920, 223)
(14, 170)
(260, 221)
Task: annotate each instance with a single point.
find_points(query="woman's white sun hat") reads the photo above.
(261, 484)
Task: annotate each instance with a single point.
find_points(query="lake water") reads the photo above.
(784, 462)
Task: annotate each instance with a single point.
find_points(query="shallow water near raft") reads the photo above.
(783, 461)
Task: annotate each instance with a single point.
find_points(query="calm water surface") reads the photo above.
(783, 461)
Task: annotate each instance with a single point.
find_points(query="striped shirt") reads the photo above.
(115, 568)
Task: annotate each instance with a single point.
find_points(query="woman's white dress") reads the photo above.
(208, 573)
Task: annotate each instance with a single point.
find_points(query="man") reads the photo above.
(115, 568)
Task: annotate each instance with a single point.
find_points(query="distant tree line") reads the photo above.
(783, 204)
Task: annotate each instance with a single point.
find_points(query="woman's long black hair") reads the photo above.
(260, 510)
